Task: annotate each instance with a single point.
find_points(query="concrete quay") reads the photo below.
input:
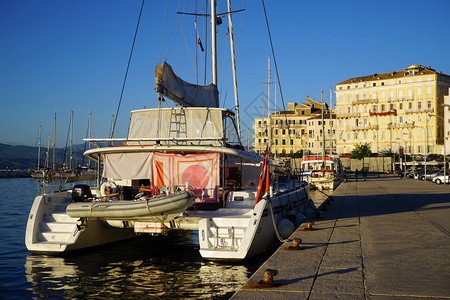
(384, 238)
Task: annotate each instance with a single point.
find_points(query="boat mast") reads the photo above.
(213, 43)
(71, 139)
(89, 134)
(274, 144)
(268, 101)
(331, 122)
(54, 143)
(39, 149)
(323, 135)
(233, 62)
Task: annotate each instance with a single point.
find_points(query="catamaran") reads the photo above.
(181, 167)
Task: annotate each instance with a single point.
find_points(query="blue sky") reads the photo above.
(58, 56)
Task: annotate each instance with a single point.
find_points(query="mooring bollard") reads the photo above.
(308, 227)
(295, 244)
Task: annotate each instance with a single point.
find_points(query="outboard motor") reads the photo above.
(81, 193)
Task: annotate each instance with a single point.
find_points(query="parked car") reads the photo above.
(439, 179)
(430, 174)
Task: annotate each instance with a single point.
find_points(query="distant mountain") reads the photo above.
(25, 157)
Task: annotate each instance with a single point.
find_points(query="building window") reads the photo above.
(374, 108)
(276, 142)
(429, 90)
(429, 104)
(410, 93)
(374, 84)
(400, 106)
(292, 142)
(283, 131)
(400, 94)
(419, 105)
(410, 105)
(382, 83)
(391, 106)
(356, 136)
(374, 95)
(419, 91)
(283, 142)
(383, 108)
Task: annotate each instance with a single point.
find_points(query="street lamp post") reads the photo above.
(445, 152)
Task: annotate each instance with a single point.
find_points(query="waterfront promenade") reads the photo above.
(384, 238)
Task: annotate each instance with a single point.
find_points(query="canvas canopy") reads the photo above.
(160, 123)
(184, 93)
(127, 165)
(198, 171)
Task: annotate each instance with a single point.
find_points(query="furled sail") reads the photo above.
(183, 93)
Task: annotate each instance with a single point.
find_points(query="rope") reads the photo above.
(273, 222)
(126, 72)
(276, 70)
(164, 26)
(187, 47)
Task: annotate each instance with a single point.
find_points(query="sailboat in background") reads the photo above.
(181, 167)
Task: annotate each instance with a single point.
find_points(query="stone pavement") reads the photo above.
(384, 238)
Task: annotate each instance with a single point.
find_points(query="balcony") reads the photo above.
(419, 110)
(400, 125)
(364, 101)
(348, 115)
(364, 127)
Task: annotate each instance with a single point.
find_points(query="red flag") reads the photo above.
(198, 37)
(201, 45)
(264, 177)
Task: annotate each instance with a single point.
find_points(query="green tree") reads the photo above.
(360, 151)
(298, 154)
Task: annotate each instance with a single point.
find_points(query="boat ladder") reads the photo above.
(178, 124)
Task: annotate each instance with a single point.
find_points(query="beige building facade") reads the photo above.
(392, 110)
(300, 127)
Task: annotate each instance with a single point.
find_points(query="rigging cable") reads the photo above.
(126, 72)
(164, 26)
(276, 70)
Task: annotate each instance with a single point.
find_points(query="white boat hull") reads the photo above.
(228, 236)
(51, 231)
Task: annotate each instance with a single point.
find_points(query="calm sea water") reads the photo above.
(145, 268)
